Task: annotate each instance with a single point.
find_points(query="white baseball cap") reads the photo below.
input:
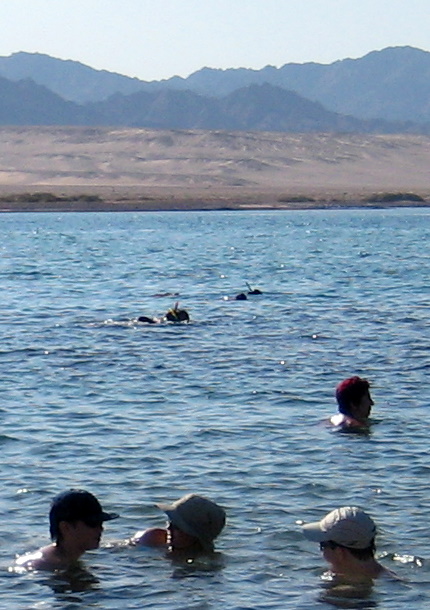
(348, 526)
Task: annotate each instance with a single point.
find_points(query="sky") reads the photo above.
(157, 39)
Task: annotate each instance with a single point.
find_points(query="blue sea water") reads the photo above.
(231, 405)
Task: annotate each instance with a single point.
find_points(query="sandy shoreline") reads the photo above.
(91, 169)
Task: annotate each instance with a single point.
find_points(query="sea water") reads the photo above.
(231, 406)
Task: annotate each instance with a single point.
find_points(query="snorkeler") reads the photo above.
(177, 315)
(174, 314)
(253, 291)
(354, 404)
(76, 525)
(194, 523)
(242, 296)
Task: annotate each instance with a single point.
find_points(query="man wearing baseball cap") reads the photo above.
(76, 524)
(347, 539)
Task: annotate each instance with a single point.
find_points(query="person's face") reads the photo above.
(361, 410)
(179, 540)
(86, 537)
(333, 555)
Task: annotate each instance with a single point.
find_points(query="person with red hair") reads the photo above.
(354, 403)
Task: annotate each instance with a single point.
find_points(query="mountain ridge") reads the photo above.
(384, 91)
(254, 108)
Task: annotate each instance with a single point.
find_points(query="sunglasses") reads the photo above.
(328, 544)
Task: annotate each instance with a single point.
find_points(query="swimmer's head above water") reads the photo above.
(76, 523)
(194, 524)
(177, 315)
(174, 314)
(346, 537)
(252, 290)
(354, 403)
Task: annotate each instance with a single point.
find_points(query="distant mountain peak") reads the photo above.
(391, 84)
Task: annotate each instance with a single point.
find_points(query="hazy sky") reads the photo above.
(155, 39)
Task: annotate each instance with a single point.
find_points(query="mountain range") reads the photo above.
(385, 91)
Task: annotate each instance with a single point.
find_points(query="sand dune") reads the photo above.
(211, 168)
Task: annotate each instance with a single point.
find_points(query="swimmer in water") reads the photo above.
(174, 314)
(147, 320)
(253, 291)
(347, 540)
(177, 315)
(354, 404)
(242, 296)
(76, 525)
(194, 523)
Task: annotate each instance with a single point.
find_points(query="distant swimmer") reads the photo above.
(347, 540)
(175, 314)
(76, 525)
(354, 404)
(253, 291)
(242, 296)
(194, 523)
(147, 320)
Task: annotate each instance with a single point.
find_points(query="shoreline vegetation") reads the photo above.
(50, 201)
(59, 169)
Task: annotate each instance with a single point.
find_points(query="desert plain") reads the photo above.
(106, 169)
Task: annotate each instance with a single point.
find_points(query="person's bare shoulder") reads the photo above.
(343, 423)
(45, 558)
(153, 536)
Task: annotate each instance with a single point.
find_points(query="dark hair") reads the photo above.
(363, 554)
(350, 391)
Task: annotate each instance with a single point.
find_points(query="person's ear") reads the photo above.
(65, 528)
(353, 408)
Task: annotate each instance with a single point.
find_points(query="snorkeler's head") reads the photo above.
(177, 315)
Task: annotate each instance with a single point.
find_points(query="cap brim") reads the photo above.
(109, 516)
(313, 532)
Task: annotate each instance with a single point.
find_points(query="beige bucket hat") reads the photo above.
(198, 517)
